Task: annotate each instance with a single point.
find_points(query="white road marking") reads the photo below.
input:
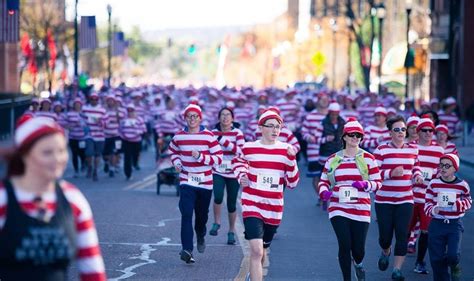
(145, 180)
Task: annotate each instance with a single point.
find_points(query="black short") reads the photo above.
(314, 169)
(255, 228)
(110, 147)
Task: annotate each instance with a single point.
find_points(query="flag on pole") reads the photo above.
(118, 44)
(9, 21)
(53, 53)
(87, 33)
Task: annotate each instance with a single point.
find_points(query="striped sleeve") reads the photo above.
(215, 153)
(89, 259)
(175, 153)
(292, 173)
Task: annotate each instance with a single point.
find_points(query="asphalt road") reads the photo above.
(139, 236)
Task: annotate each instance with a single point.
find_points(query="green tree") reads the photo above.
(139, 49)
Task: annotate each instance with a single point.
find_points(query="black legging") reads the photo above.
(77, 153)
(394, 218)
(351, 235)
(131, 153)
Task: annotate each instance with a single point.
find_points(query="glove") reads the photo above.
(360, 185)
(326, 195)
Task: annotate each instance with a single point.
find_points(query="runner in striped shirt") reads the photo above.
(447, 199)
(311, 132)
(131, 131)
(95, 119)
(348, 177)
(252, 128)
(399, 168)
(429, 154)
(449, 117)
(60, 115)
(35, 206)
(443, 139)
(76, 124)
(378, 133)
(113, 143)
(45, 110)
(290, 109)
(230, 140)
(264, 168)
(194, 151)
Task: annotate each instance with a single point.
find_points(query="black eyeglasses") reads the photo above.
(398, 130)
(190, 117)
(271, 126)
(357, 135)
(445, 166)
(427, 130)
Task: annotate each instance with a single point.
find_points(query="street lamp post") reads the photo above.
(408, 7)
(333, 24)
(349, 55)
(76, 42)
(109, 49)
(381, 16)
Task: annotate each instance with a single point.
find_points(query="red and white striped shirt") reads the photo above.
(396, 190)
(132, 129)
(372, 135)
(348, 113)
(345, 174)
(311, 128)
(269, 168)
(61, 119)
(168, 123)
(48, 114)
(112, 118)
(196, 172)
(75, 124)
(428, 159)
(451, 148)
(366, 114)
(251, 130)
(242, 115)
(89, 259)
(285, 136)
(290, 112)
(95, 119)
(451, 120)
(439, 189)
(230, 143)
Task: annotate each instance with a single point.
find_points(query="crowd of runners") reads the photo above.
(359, 148)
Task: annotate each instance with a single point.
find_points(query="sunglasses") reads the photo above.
(357, 135)
(398, 130)
(278, 127)
(445, 166)
(427, 130)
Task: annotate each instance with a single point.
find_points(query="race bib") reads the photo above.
(427, 173)
(224, 167)
(82, 144)
(169, 116)
(348, 194)
(195, 179)
(118, 144)
(268, 181)
(446, 199)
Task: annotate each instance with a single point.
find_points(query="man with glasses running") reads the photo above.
(263, 168)
(194, 151)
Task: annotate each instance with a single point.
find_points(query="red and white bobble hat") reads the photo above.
(380, 110)
(193, 108)
(442, 128)
(454, 159)
(425, 122)
(334, 107)
(352, 126)
(274, 109)
(78, 100)
(267, 115)
(30, 128)
(413, 120)
(450, 101)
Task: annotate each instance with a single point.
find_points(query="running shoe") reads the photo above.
(456, 273)
(231, 238)
(360, 272)
(214, 229)
(411, 248)
(383, 261)
(420, 267)
(397, 275)
(187, 256)
(201, 244)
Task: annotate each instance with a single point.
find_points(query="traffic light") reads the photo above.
(192, 49)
